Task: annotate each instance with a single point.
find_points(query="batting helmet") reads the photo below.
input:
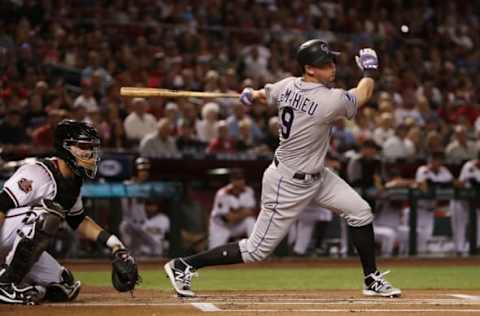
(315, 53)
(84, 157)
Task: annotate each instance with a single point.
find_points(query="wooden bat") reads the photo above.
(154, 92)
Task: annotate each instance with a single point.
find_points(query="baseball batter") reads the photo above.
(469, 176)
(307, 107)
(39, 197)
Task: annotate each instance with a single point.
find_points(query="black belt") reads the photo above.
(299, 175)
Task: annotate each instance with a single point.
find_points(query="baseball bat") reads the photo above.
(155, 92)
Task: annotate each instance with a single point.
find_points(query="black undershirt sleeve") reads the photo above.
(6, 202)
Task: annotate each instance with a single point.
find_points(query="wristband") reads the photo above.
(103, 238)
(371, 73)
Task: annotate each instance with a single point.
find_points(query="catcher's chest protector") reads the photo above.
(68, 189)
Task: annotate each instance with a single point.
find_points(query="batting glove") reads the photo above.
(367, 61)
(246, 97)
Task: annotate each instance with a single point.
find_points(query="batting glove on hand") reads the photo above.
(246, 97)
(367, 60)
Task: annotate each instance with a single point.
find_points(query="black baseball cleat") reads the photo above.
(376, 285)
(28, 295)
(180, 274)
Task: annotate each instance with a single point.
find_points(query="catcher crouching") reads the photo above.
(34, 201)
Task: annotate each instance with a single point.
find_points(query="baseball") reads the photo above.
(404, 28)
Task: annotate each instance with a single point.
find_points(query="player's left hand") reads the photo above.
(124, 271)
(367, 59)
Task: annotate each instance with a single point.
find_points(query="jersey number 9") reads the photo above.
(286, 117)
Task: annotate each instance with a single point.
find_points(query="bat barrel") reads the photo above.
(166, 93)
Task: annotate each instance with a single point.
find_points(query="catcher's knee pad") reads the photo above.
(30, 246)
(64, 291)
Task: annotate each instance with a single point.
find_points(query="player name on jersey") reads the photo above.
(298, 102)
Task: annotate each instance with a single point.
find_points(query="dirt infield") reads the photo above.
(94, 301)
(99, 301)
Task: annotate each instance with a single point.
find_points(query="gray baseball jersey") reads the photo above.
(297, 177)
(306, 111)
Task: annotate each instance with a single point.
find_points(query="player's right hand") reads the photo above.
(367, 59)
(246, 97)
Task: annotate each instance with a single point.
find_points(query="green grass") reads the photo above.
(453, 277)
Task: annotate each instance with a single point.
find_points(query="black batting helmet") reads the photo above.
(77, 143)
(315, 53)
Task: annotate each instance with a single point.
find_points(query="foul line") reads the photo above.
(352, 310)
(206, 307)
(466, 297)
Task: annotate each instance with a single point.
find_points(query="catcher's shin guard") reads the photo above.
(64, 291)
(30, 246)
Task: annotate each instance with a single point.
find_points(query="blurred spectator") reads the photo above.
(460, 149)
(113, 131)
(42, 136)
(186, 142)
(342, 139)
(408, 109)
(223, 143)
(394, 147)
(86, 98)
(36, 114)
(12, 130)
(232, 213)
(206, 128)
(95, 68)
(384, 130)
(362, 130)
(139, 123)
(233, 122)
(172, 114)
(414, 143)
(159, 144)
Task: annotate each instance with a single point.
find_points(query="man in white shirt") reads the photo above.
(139, 123)
(159, 144)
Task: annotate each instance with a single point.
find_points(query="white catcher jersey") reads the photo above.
(306, 111)
(31, 183)
(225, 200)
(470, 171)
(442, 176)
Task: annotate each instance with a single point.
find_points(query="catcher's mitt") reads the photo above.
(124, 271)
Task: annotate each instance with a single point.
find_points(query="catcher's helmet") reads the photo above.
(315, 53)
(77, 143)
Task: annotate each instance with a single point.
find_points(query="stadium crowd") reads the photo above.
(69, 58)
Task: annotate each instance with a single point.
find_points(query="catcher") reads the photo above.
(38, 197)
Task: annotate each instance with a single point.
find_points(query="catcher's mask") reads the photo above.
(78, 144)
